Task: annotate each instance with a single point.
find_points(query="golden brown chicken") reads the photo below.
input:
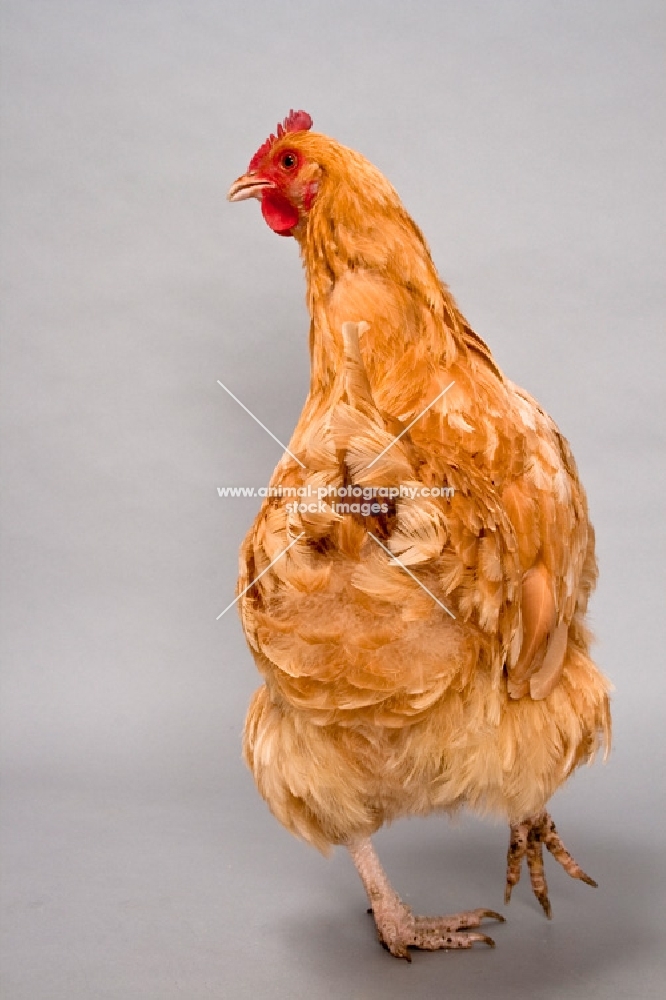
(415, 598)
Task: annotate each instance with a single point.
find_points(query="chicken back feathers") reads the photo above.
(459, 675)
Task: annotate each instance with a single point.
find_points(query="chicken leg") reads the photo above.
(526, 841)
(397, 927)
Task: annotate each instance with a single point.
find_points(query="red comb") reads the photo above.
(296, 121)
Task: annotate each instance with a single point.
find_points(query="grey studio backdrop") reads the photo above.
(526, 138)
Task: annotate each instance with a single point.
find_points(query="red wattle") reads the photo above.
(278, 212)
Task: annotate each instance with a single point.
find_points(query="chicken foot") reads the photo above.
(397, 927)
(526, 841)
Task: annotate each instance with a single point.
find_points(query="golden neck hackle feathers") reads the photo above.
(373, 262)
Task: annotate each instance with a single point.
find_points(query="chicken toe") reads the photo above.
(526, 842)
(398, 928)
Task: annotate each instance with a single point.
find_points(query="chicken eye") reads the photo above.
(288, 161)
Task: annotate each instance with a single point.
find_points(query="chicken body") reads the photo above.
(460, 674)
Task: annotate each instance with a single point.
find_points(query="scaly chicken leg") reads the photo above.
(526, 841)
(397, 927)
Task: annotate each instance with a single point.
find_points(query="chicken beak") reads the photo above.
(248, 186)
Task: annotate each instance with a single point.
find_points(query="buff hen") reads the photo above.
(414, 591)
